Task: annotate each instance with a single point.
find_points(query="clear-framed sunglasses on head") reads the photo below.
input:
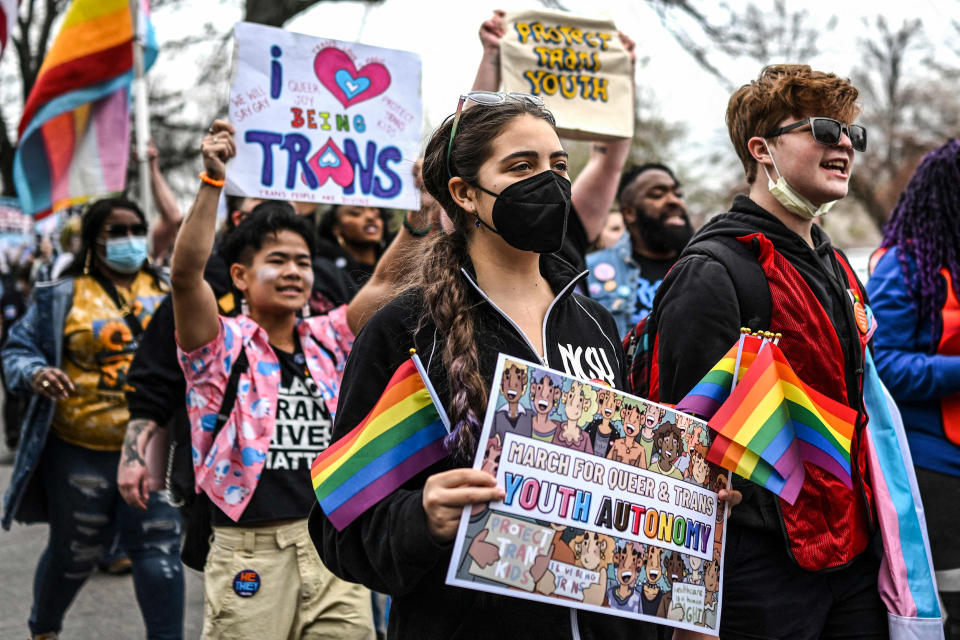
(487, 99)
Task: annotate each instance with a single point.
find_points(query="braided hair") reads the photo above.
(923, 227)
(446, 297)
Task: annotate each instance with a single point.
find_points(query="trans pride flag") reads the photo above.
(906, 582)
(400, 437)
(75, 130)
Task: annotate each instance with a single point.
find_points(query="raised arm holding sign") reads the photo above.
(595, 188)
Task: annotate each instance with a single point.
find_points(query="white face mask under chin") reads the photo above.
(791, 200)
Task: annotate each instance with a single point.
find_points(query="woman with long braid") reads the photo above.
(490, 285)
(914, 293)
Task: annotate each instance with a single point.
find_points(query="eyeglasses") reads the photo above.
(123, 230)
(487, 99)
(827, 131)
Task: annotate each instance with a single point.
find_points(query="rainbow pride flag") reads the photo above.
(400, 437)
(74, 133)
(778, 419)
(786, 482)
(715, 387)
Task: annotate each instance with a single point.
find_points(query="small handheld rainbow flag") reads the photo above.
(400, 437)
(728, 454)
(780, 420)
(715, 387)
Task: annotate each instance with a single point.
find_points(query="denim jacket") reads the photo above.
(613, 280)
(35, 341)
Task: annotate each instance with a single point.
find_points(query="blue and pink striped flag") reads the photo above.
(74, 134)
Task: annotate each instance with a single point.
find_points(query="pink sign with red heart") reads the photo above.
(349, 85)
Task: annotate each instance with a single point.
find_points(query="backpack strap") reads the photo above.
(128, 316)
(230, 393)
(740, 259)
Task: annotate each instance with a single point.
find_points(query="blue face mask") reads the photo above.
(126, 255)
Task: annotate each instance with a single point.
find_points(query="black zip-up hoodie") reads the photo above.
(698, 318)
(388, 548)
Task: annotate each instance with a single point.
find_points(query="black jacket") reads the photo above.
(388, 548)
(697, 316)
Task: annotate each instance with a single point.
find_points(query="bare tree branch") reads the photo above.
(277, 12)
(765, 36)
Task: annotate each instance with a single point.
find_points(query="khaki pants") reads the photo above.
(293, 595)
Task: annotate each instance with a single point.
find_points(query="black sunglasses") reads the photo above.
(123, 230)
(827, 131)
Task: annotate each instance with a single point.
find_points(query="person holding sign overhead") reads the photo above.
(595, 188)
(490, 285)
(262, 389)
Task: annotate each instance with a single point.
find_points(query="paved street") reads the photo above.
(105, 609)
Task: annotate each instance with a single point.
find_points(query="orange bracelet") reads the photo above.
(211, 181)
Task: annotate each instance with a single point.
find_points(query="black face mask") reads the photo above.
(531, 215)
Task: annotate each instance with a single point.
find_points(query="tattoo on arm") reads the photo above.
(131, 450)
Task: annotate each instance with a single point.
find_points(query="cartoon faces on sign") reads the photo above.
(608, 501)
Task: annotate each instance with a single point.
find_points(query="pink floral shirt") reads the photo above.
(228, 467)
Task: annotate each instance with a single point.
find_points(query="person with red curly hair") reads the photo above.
(767, 266)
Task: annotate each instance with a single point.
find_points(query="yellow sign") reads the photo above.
(577, 65)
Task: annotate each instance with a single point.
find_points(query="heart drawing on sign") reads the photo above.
(349, 85)
(330, 162)
(329, 159)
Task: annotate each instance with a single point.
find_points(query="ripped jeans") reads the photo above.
(85, 510)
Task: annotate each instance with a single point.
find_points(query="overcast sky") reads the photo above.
(444, 34)
(682, 90)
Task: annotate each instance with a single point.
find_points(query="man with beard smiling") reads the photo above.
(625, 277)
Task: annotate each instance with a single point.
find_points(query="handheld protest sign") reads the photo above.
(611, 505)
(15, 227)
(324, 121)
(577, 65)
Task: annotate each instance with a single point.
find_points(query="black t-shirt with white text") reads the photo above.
(302, 430)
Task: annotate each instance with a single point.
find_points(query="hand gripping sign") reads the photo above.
(611, 505)
(324, 121)
(577, 65)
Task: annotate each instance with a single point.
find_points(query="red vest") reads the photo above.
(950, 346)
(828, 525)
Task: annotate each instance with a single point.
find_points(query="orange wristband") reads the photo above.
(211, 181)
